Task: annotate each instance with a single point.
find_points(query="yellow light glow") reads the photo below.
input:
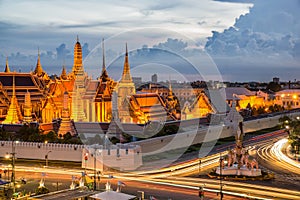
(294, 96)
(287, 127)
(7, 156)
(282, 95)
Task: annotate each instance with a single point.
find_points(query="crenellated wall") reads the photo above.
(204, 134)
(75, 153)
(33, 150)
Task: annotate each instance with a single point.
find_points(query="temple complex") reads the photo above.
(74, 97)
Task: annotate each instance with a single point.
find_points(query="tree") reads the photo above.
(51, 136)
(275, 87)
(4, 135)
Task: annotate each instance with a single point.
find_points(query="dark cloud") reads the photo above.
(270, 28)
(268, 37)
(201, 23)
(163, 6)
(90, 25)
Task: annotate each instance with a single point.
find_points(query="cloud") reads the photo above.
(270, 28)
(268, 37)
(172, 44)
(62, 52)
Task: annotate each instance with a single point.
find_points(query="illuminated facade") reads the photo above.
(289, 98)
(245, 97)
(74, 97)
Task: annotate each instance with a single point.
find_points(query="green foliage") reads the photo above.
(294, 131)
(30, 134)
(276, 108)
(51, 136)
(4, 135)
(285, 120)
(275, 87)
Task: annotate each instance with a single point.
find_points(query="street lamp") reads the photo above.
(46, 158)
(199, 170)
(12, 155)
(95, 182)
(221, 186)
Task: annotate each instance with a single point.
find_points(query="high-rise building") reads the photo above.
(154, 78)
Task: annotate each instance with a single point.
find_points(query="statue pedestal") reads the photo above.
(243, 171)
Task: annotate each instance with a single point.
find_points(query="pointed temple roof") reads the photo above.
(27, 108)
(7, 66)
(64, 73)
(77, 66)
(104, 75)
(14, 115)
(170, 89)
(38, 69)
(126, 77)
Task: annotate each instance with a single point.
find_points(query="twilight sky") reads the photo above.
(269, 30)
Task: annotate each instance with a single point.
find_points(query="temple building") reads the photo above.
(15, 85)
(125, 89)
(66, 125)
(14, 115)
(75, 98)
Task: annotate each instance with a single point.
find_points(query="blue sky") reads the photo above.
(269, 30)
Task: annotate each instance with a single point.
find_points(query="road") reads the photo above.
(169, 183)
(271, 156)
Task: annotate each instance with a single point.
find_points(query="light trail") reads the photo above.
(170, 176)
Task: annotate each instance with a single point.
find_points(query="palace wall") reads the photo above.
(204, 134)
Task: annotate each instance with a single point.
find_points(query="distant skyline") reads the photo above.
(264, 41)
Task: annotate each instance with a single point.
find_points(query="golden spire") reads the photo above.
(170, 88)
(77, 66)
(13, 114)
(38, 69)
(27, 108)
(7, 66)
(103, 55)
(104, 75)
(63, 73)
(14, 86)
(126, 77)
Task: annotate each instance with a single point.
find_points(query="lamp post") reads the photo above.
(46, 158)
(221, 186)
(95, 181)
(199, 170)
(12, 155)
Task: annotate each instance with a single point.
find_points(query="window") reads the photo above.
(126, 151)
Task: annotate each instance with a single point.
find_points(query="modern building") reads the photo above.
(154, 78)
